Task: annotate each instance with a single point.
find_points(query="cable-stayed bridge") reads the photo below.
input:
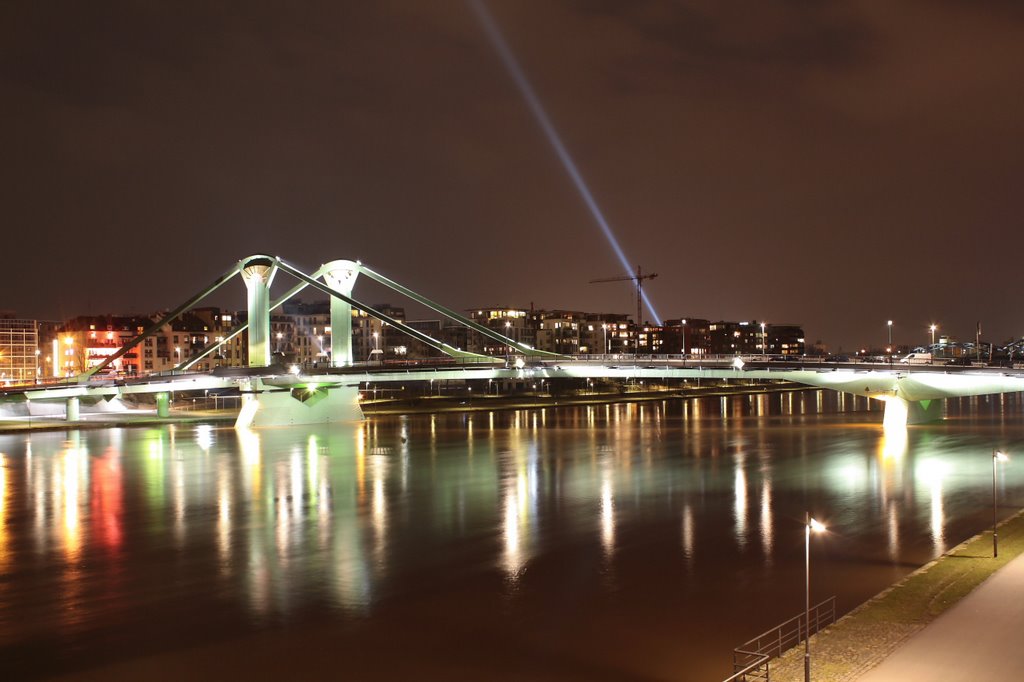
(273, 397)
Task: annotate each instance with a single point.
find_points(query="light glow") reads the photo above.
(538, 111)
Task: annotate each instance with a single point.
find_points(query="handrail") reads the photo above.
(741, 675)
(773, 642)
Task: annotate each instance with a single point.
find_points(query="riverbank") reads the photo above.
(465, 403)
(132, 418)
(863, 638)
(392, 406)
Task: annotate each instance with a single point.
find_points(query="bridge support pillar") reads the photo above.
(264, 405)
(900, 412)
(258, 275)
(341, 275)
(72, 410)
(163, 404)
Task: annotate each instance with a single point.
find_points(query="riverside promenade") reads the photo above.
(958, 618)
(978, 639)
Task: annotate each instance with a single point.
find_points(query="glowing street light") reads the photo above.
(177, 355)
(889, 347)
(810, 524)
(764, 341)
(508, 326)
(997, 456)
(932, 330)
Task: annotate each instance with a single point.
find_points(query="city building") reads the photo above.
(514, 323)
(19, 350)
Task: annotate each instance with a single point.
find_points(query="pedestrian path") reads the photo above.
(978, 639)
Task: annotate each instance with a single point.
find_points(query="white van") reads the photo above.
(917, 359)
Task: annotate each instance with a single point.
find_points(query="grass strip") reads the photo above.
(864, 637)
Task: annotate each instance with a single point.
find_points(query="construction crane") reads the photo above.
(639, 278)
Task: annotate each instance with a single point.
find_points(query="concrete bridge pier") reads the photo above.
(163, 404)
(258, 274)
(72, 410)
(901, 412)
(266, 405)
(341, 275)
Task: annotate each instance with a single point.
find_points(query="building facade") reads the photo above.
(19, 350)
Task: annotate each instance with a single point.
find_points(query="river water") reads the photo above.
(637, 541)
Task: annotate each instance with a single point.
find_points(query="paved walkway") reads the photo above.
(978, 639)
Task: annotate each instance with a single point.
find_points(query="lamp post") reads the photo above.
(683, 325)
(177, 356)
(508, 327)
(932, 330)
(605, 328)
(810, 524)
(889, 348)
(997, 456)
(764, 341)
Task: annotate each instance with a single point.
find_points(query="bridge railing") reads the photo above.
(750, 659)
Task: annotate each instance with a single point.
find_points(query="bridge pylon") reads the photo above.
(340, 275)
(258, 274)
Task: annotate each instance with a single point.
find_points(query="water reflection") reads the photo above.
(740, 504)
(929, 475)
(688, 533)
(5, 550)
(600, 500)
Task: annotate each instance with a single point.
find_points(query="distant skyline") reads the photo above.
(834, 165)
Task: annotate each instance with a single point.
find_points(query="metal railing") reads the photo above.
(750, 659)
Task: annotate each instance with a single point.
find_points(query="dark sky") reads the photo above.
(834, 164)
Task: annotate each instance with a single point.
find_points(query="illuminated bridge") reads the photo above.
(271, 397)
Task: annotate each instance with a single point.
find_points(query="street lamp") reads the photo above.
(810, 524)
(932, 329)
(889, 350)
(177, 355)
(605, 328)
(764, 341)
(508, 326)
(683, 325)
(997, 456)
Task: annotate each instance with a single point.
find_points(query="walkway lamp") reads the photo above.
(997, 457)
(508, 327)
(932, 329)
(764, 341)
(889, 349)
(816, 526)
(683, 325)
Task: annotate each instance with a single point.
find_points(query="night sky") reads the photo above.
(834, 164)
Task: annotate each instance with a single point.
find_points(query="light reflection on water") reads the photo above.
(648, 509)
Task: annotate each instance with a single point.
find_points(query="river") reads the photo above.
(634, 541)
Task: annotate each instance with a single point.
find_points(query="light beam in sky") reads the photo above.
(537, 109)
